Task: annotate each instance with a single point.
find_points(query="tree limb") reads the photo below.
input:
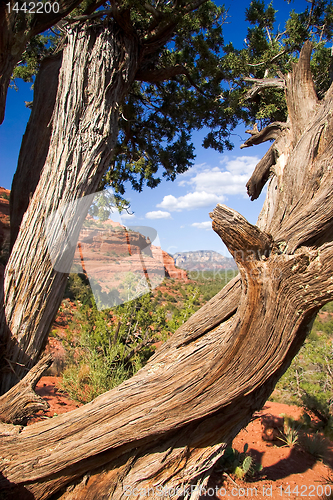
(300, 93)
(21, 401)
(271, 132)
(123, 18)
(270, 61)
(152, 43)
(155, 13)
(87, 17)
(42, 22)
(263, 83)
(193, 6)
(239, 235)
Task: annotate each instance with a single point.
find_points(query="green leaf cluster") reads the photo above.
(104, 348)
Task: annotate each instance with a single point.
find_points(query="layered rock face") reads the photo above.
(169, 265)
(4, 217)
(108, 253)
(121, 263)
(4, 229)
(203, 260)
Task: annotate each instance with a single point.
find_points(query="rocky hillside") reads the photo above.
(101, 245)
(203, 260)
(107, 253)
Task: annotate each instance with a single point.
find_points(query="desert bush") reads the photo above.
(104, 348)
(290, 435)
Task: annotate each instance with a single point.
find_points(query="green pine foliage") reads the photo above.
(159, 114)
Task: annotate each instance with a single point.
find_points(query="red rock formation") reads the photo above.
(169, 265)
(4, 216)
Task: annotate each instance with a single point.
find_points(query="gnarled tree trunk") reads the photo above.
(167, 426)
(98, 66)
(35, 142)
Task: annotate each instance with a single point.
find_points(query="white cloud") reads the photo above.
(209, 186)
(198, 199)
(158, 214)
(202, 225)
(241, 164)
(229, 179)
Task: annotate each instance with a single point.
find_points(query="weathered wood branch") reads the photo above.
(13, 40)
(261, 174)
(128, 418)
(269, 133)
(21, 401)
(122, 16)
(272, 161)
(263, 83)
(243, 240)
(160, 75)
(301, 96)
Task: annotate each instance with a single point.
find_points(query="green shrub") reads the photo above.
(104, 348)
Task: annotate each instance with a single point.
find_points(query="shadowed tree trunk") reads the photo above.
(169, 424)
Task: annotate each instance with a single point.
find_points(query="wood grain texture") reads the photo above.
(35, 142)
(95, 73)
(21, 401)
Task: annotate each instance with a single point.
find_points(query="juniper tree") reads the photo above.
(168, 425)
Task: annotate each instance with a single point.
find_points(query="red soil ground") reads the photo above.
(288, 473)
(282, 467)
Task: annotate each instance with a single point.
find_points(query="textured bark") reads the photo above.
(167, 426)
(98, 66)
(35, 143)
(21, 400)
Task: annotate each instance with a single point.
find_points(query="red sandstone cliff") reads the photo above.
(4, 228)
(170, 270)
(106, 249)
(4, 217)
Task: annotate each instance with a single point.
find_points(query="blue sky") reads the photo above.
(178, 210)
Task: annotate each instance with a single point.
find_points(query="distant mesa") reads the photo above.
(203, 260)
